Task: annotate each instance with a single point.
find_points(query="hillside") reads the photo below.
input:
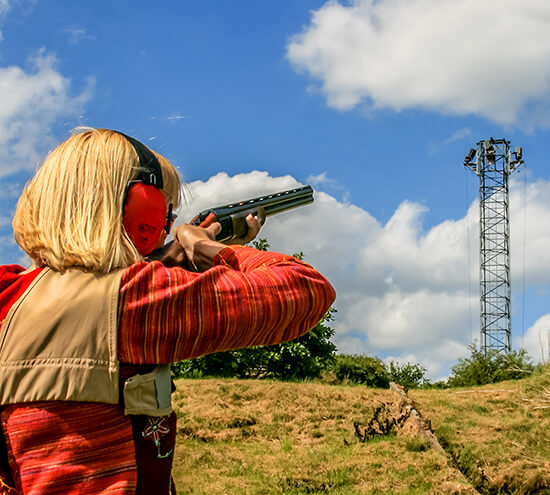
(258, 437)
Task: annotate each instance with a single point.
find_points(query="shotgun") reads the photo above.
(232, 216)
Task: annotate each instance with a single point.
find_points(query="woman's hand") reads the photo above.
(254, 225)
(199, 244)
(195, 248)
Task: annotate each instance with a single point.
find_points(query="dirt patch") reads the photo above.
(383, 422)
(399, 416)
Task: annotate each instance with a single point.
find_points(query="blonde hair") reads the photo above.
(70, 213)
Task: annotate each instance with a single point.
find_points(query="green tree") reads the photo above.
(300, 358)
(261, 244)
(221, 364)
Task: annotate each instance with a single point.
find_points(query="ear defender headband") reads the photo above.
(144, 206)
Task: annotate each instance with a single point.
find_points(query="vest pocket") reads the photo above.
(149, 394)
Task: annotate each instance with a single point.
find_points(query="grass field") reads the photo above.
(261, 437)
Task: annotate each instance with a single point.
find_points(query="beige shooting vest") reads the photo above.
(59, 342)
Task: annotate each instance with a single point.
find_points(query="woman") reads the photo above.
(89, 330)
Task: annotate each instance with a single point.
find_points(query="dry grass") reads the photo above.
(258, 437)
(252, 437)
(497, 434)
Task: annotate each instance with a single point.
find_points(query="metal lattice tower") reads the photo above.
(492, 163)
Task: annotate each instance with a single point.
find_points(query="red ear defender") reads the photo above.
(144, 216)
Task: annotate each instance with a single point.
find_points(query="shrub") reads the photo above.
(212, 365)
(481, 367)
(408, 375)
(366, 370)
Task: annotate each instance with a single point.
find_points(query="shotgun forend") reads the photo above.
(232, 216)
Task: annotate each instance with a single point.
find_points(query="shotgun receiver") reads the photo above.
(232, 216)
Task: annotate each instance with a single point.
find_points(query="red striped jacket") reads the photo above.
(247, 298)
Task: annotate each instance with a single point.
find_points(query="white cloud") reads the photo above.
(32, 102)
(76, 34)
(536, 340)
(4, 7)
(460, 134)
(327, 184)
(221, 189)
(530, 236)
(171, 117)
(490, 58)
(318, 179)
(11, 190)
(401, 291)
(456, 136)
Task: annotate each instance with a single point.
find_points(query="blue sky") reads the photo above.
(375, 103)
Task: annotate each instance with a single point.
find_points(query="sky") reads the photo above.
(374, 103)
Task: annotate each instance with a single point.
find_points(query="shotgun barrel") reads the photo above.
(232, 216)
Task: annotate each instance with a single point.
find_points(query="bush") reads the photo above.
(219, 364)
(408, 375)
(482, 368)
(439, 384)
(300, 358)
(365, 370)
(373, 372)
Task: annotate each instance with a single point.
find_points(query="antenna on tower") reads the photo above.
(493, 162)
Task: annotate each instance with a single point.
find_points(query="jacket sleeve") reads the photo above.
(247, 298)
